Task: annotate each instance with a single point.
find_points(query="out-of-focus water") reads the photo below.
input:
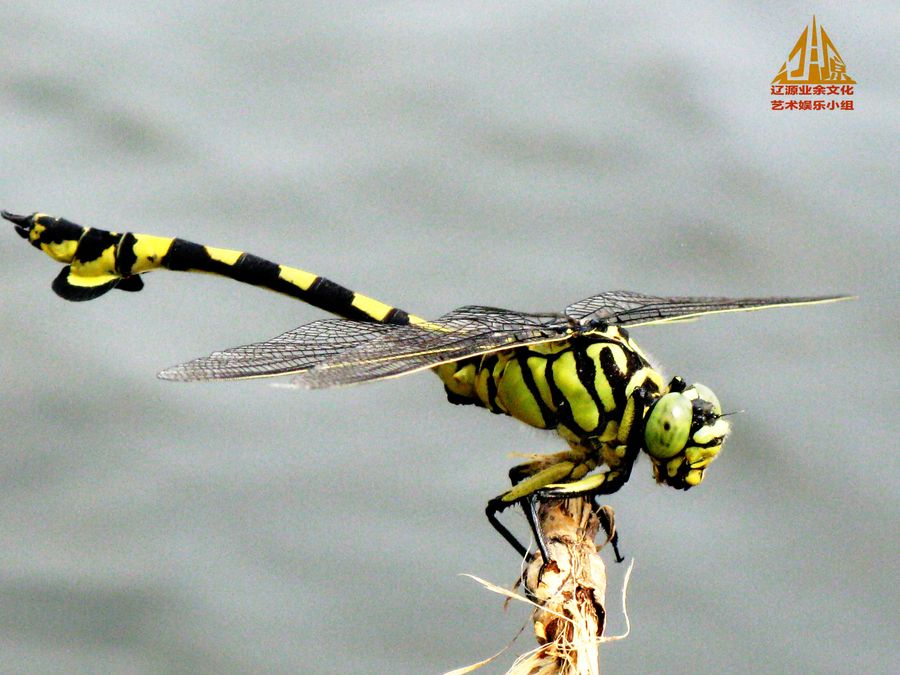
(515, 154)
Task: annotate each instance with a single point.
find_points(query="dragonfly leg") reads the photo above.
(527, 469)
(529, 506)
(592, 486)
(524, 492)
(608, 523)
(494, 507)
(566, 474)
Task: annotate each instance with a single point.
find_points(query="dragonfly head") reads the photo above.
(684, 432)
(56, 237)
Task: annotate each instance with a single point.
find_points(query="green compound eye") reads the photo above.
(706, 394)
(668, 426)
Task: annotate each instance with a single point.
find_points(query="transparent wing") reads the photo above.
(295, 351)
(463, 333)
(626, 308)
(338, 352)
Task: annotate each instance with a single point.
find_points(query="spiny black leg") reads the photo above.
(614, 541)
(530, 506)
(494, 507)
(604, 514)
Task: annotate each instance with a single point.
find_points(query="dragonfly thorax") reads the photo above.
(579, 386)
(582, 388)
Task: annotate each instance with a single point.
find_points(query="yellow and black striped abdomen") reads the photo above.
(99, 261)
(579, 387)
(186, 256)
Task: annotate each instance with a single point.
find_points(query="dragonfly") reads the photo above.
(577, 372)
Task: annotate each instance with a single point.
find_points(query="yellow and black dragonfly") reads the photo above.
(577, 372)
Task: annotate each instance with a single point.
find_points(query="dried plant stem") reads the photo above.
(570, 590)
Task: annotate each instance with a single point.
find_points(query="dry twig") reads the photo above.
(570, 590)
(568, 594)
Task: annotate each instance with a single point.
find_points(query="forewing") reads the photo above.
(292, 352)
(627, 308)
(463, 333)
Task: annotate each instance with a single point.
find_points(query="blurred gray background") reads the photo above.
(523, 155)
